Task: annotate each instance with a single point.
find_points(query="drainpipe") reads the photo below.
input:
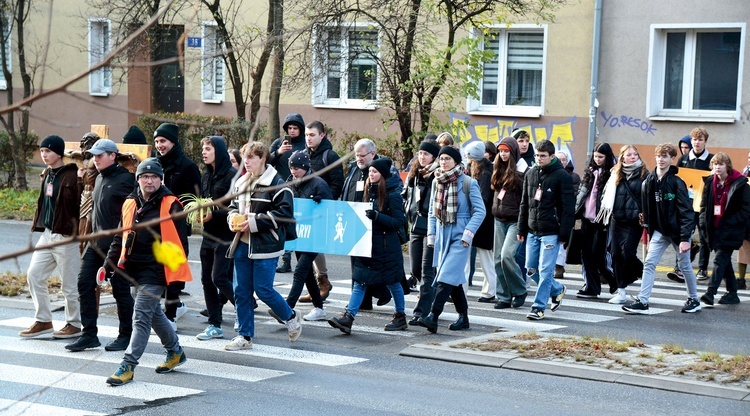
(594, 78)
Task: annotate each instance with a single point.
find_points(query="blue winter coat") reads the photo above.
(450, 255)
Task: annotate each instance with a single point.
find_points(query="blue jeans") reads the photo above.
(510, 280)
(148, 314)
(358, 294)
(255, 276)
(541, 253)
(656, 248)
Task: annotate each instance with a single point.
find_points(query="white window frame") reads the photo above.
(100, 81)
(474, 106)
(213, 68)
(8, 54)
(320, 68)
(656, 73)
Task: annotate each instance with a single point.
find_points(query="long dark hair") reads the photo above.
(477, 168)
(609, 163)
(382, 194)
(504, 174)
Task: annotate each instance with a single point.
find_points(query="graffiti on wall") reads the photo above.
(560, 133)
(612, 121)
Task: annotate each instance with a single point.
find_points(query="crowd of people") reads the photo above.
(518, 209)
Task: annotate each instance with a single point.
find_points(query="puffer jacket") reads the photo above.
(216, 183)
(313, 186)
(553, 213)
(736, 215)
(667, 208)
(626, 209)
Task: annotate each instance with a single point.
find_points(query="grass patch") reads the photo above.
(18, 205)
(14, 284)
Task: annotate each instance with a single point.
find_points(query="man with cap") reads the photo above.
(113, 184)
(278, 157)
(133, 254)
(181, 176)
(56, 217)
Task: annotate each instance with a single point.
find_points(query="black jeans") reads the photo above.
(443, 292)
(216, 277)
(90, 264)
(594, 258)
(625, 262)
(304, 275)
(723, 270)
(420, 256)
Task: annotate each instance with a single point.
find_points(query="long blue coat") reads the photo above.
(451, 256)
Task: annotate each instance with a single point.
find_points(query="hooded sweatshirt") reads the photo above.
(216, 183)
(281, 162)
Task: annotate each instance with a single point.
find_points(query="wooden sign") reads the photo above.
(101, 129)
(694, 180)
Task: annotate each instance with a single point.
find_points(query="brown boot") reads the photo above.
(324, 285)
(398, 323)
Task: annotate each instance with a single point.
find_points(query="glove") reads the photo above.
(371, 214)
(316, 198)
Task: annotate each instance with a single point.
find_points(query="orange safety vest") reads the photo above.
(168, 233)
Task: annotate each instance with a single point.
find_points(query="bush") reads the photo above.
(18, 205)
(389, 147)
(7, 167)
(194, 127)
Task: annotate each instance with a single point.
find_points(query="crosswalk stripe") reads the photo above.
(89, 384)
(258, 350)
(13, 407)
(192, 366)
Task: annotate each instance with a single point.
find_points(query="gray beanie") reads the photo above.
(475, 150)
(150, 165)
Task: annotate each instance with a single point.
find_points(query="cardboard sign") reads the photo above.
(694, 181)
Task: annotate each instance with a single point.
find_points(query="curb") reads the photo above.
(445, 352)
(23, 302)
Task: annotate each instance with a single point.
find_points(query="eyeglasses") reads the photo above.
(362, 156)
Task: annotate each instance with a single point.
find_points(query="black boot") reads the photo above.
(344, 323)
(284, 267)
(430, 322)
(83, 343)
(398, 323)
(461, 323)
(118, 344)
(741, 284)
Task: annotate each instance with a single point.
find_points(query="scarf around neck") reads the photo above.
(446, 194)
(610, 191)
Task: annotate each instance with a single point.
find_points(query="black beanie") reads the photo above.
(169, 131)
(452, 152)
(54, 143)
(150, 165)
(134, 135)
(300, 160)
(382, 165)
(430, 148)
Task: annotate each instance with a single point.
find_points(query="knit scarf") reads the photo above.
(446, 194)
(610, 191)
(426, 171)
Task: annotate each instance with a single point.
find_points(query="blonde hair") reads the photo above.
(723, 159)
(699, 132)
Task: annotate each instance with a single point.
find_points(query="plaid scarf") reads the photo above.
(446, 194)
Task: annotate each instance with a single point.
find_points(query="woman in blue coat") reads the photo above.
(453, 220)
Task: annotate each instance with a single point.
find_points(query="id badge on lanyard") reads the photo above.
(501, 194)
(50, 189)
(538, 194)
(717, 210)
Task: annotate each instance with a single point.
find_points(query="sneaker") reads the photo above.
(619, 298)
(676, 276)
(37, 329)
(691, 305)
(275, 316)
(637, 307)
(209, 333)
(535, 314)
(502, 305)
(729, 298)
(586, 295)
(68, 331)
(284, 268)
(123, 375)
(174, 358)
(294, 326)
(708, 299)
(181, 310)
(118, 344)
(559, 272)
(317, 314)
(239, 343)
(741, 284)
(204, 312)
(557, 300)
(83, 343)
(701, 275)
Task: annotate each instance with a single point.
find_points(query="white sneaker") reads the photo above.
(173, 324)
(239, 343)
(619, 298)
(317, 314)
(294, 327)
(181, 310)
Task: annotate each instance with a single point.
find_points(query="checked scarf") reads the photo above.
(446, 194)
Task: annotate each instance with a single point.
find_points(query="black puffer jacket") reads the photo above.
(626, 209)
(728, 235)
(485, 235)
(667, 207)
(281, 162)
(387, 262)
(416, 196)
(216, 183)
(112, 187)
(335, 176)
(553, 213)
(314, 186)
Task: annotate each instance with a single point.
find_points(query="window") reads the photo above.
(5, 26)
(695, 72)
(513, 80)
(100, 81)
(345, 71)
(212, 65)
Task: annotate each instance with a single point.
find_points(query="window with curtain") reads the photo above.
(100, 81)
(212, 65)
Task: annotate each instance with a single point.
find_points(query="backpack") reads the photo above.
(466, 188)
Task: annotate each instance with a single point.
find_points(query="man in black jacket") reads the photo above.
(545, 220)
(669, 218)
(181, 176)
(113, 184)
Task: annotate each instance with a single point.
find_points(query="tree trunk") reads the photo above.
(278, 69)
(260, 69)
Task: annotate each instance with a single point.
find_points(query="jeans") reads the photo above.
(216, 277)
(66, 259)
(510, 280)
(358, 294)
(541, 253)
(656, 248)
(148, 314)
(304, 276)
(723, 270)
(521, 256)
(420, 255)
(594, 257)
(255, 276)
(90, 264)
(472, 265)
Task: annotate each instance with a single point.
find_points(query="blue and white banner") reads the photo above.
(332, 227)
